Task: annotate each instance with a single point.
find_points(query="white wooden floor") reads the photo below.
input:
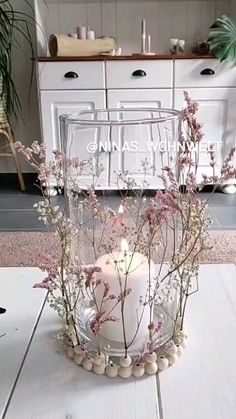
(37, 381)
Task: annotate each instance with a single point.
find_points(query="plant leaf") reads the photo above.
(222, 39)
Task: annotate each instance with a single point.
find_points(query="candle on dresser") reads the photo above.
(149, 43)
(143, 27)
(91, 35)
(73, 34)
(82, 32)
(125, 270)
(143, 36)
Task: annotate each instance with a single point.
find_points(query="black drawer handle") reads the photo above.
(207, 72)
(139, 73)
(71, 75)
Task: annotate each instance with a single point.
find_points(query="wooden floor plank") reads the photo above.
(202, 385)
(52, 387)
(23, 304)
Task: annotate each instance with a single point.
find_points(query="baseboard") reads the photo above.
(9, 182)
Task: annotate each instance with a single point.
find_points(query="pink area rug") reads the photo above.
(27, 249)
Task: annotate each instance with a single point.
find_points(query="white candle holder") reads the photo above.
(145, 40)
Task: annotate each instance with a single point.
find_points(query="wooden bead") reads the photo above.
(125, 372)
(151, 368)
(78, 349)
(172, 350)
(179, 322)
(111, 371)
(125, 361)
(88, 364)
(70, 352)
(150, 358)
(172, 358)
(138, 370)
(162, 363)
(185, 332)
(78, 358)
(99, 369)
(181, 334)
(180, 350)
(184, 344)
(73, 339)
(177, 339)
(99, 359)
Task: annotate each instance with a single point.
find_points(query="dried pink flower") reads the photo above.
(99, 319)
(124, 294)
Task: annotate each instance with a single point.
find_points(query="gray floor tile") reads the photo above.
(17, 214)
(219, 199)
(222, 228)
(226, 216)
(23, 201)
(21, 220)
(215, 223)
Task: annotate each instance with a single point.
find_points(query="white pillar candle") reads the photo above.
(143, 43)
(149, 43)
(143, 36)
(82, 32)
(143, 27)
(73, 34)
(91, 35)
(118, 51)
(113, 271)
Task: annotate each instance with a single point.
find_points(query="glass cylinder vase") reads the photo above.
(123, 245)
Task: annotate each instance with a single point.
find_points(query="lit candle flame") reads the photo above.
(121, 210)
(124, 245)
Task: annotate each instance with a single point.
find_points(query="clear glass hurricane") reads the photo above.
(114, 165)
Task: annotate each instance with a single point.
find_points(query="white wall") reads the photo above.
(183, 19)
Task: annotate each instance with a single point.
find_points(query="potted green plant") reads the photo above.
(14, 25)
(222, 39)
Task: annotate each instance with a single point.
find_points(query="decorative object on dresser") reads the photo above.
(145, 40)
(82, 32)
(174, 46)
(143, 37)
(201, 47)
(65, 46)
(124, 315)
(177, 46)
(181, 46)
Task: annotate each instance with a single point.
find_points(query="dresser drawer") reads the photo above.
(188, 73)
(138, 74)
(71, 75)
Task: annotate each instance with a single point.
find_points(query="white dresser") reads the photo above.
(69, 86)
